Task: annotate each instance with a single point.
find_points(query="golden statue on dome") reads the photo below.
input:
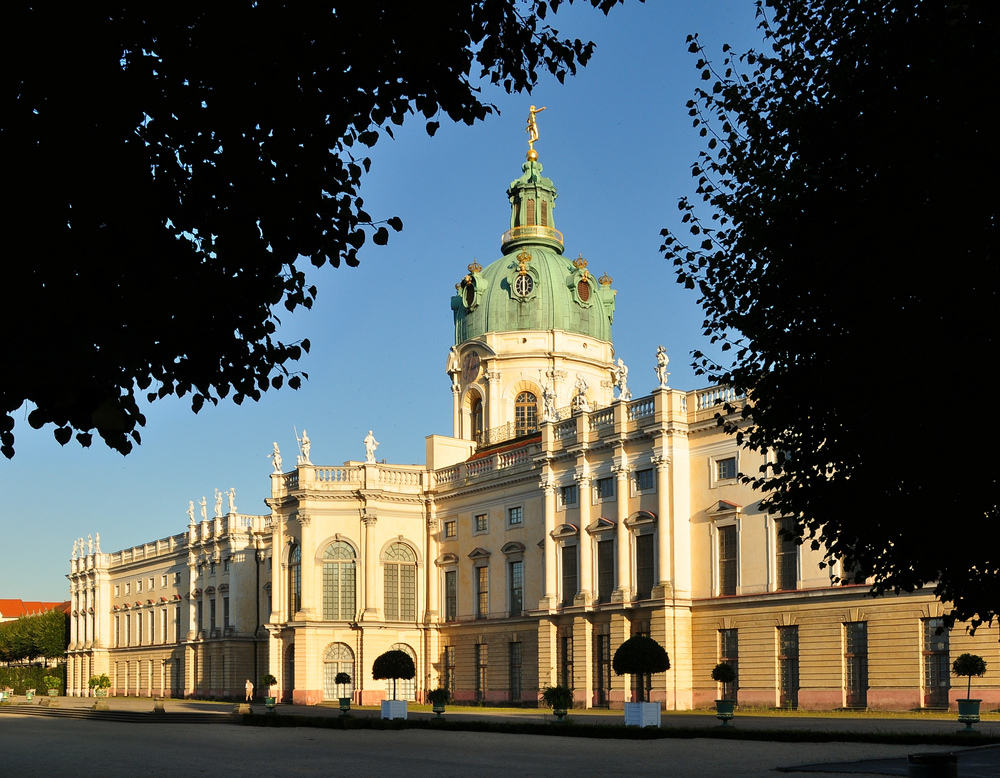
(532, 131)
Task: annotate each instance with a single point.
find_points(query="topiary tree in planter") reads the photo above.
(559, 698)
(438, 698)
(341, 679)
(52, 683)
(267, 681)
(724, 673)
(394, 664)
(969, 665)
(641, 656)
(100, 684)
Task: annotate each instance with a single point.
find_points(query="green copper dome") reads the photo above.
(533, 287)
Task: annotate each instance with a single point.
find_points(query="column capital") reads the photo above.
(621, 470)
(369, 520)
(662, 461)
(303, 519)
(547, 484)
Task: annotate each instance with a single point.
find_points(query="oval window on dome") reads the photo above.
(523, 285)
(470, 295)
(583, 290)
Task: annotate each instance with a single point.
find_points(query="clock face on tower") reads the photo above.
(470, 368)
(523, 285)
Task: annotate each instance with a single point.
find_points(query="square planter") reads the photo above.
(642, 714)
(394, 709)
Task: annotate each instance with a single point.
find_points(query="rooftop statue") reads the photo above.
(532, 128)
(275, 457)
(218, 503)
(661, 366)
(370, 445)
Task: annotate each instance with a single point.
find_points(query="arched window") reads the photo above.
(525, 414)
(400, 583)
(477, 419)
(338, 582)
(294, 581)
(338, 659)
(405, 690)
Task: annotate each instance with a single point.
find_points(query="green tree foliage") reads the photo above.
(173, 170)
(969, 665)
(845, 252)
(642, 656)
(394, 664)
(30, 637)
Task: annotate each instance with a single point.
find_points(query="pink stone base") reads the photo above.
(990, 697)
(820, 699)
(372, 696)
(307, 697)
(893, 699)
(703, 698)
(757, 698)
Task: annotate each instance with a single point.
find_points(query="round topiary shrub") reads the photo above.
(969, 665)
(394, 664)
(640, 655)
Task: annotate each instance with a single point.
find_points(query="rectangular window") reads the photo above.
(211, 614)
(449, 670)
(605, 569)
(644, 480)
(128, 587)
(725, 469)
(727, 559)
(128, 629)
(602, 668)
(225, 612)
(788, 667)
(937, 677)
(177, 579)
(569, 496)
(450, 529)
(138, 628)
(199, 615)
(786, 556)
(118, 590)
(482, 522)
(118, 631)
(605, 488)
(138, 586)
(856, 664)
(565, 648)
(482, 656)
(569, 575)
(152, 627)
(644, 566)
(163, 625)
(225, 565)
(177, 623)
(211, 567)
(515, 516)
(516, 572)
(451, 595)
(152, 582)
(729, 652)
(482, 592)
(514, 682)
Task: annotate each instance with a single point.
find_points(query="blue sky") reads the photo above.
(618, 143)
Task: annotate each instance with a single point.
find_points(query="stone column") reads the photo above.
(371, 563)
(308, 568)
(494, 402)
(583, 662)
(430, 543)
(664, 531)
(551, 587)
(623, 577)
(456, 411)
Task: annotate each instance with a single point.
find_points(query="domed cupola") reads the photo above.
(531, 321)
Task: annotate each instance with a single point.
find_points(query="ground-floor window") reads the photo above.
(729, 650)
(514, 682)
(856, 664)
(602, 669)
(788, 666)
(937, 677)
(405, 690)
(482, 658)
(338, 658)
(449, 671)
(565, 649)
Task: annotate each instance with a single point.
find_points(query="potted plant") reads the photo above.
(267, 681)
(968, 709)
(394, 664)
(438, 697)
(341, 679)
(641, 656)
(560, 699)
(52, 683)
(724, 673)
(100, 684)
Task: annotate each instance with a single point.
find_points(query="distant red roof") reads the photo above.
(11, 609)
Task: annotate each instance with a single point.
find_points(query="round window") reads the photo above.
(523, 285)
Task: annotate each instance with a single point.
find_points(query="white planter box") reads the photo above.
(394, 709)
(642, 714)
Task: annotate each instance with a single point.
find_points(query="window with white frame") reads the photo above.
(786, 555)
(400, 574)
(163, 581)
(725, 469)
(138, 586)
(728, 559)
(604, 488)
(645, 480)
(152, 583)
(450, 595)
(117, 590)
(515, 516)
(481, 523)
(450, 529)
(128, 587)
(482, 580)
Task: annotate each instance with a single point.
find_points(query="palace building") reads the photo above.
(560, 517)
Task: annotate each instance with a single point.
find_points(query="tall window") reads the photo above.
(530, 207)
(138, 626)
(200, 614)
(569, 575)
(339, 582)
(451, 595)
(727, 559)
(400, 583)
(405, 690)
(211, 611)
(118, 634)
(525, 413)
(565, 648)
(644, 566)
(605, 569)
(128, 629)
(482, 657)
(449, 670)
(602, 668)
(856, 663)
(482, 592)
(937, 678)
(225, 612)
(786, 556)
(788, 666)
(294, 581)
(516, 573)
(338, 659)
(514, 681)
(729, 652)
